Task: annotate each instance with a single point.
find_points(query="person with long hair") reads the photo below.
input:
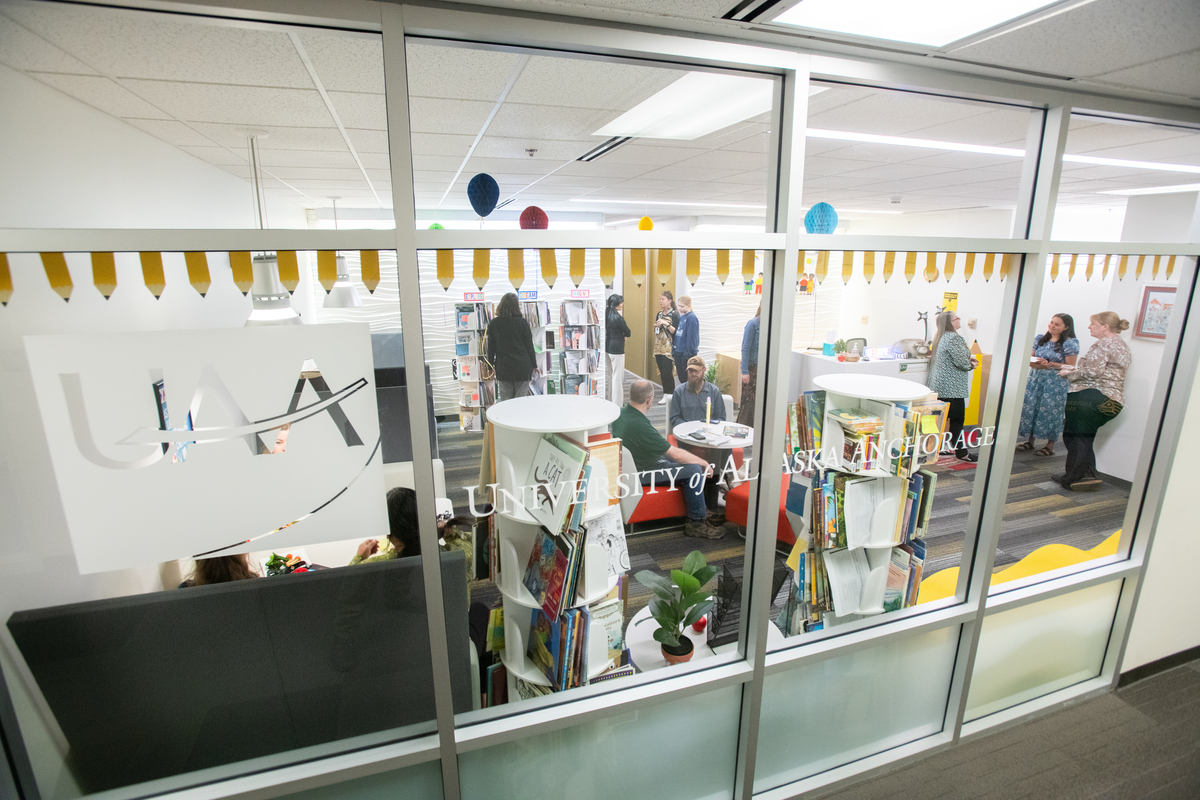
(687, 338)
(665, 324)
(510, 349)
(404, 532)
(616, 331)
(1046, 393)
(749, 368)
(952, 361)
(1096, 395)
(220, 569)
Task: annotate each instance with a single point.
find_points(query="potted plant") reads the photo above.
(839, 346)
(677, 603)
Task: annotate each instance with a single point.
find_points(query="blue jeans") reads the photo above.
(685, 479)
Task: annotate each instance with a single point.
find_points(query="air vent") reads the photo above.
(754, 10)
(604, 149)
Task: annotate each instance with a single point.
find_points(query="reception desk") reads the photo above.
(807, 365)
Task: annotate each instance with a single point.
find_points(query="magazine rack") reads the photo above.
(518, 425)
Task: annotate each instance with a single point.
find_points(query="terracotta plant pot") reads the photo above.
(680, 654)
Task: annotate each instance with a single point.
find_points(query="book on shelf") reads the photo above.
(468, 368)
(494, 638)
(466, 343)
(608, 618)
(547, 340)
(545, 644)
(527, 690)
(581, 385)
(608, 532)
(536, 312)
(470, 419)
(855, 420)
(547, 571)
(579, 312)
(605, 456)
(558, 646)
(624, 669)
(496, 688)
(556, 467)
(895, 590)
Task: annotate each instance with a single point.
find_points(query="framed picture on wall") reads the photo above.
(1155, 313)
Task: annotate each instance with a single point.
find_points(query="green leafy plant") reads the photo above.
(680, 601)
(839, 346)
(711, 377)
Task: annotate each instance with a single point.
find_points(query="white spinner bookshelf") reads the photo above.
(518, 425)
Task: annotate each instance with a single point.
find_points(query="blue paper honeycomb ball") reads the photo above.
(821, 218)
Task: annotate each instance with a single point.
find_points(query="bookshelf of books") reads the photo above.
(476, 392)
(558, 550)
(870, 497)
(545, 345)
(580, 335)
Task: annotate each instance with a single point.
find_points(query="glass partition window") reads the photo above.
(586, 144)
(265, 126)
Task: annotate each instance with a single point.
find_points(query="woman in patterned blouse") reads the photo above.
(952, 360)
(1046, 393)
(1096, 395)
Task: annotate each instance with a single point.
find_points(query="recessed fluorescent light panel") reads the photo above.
(693, 106)
(930, 22)
(1177, 188)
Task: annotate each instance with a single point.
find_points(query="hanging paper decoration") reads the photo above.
(549, 267)
(437, 226)
(152, 273)
(989, 264)
(931, 272)
(533, 219)
(5, 280)
(1104, 271)
(483, 192)
(482, 267)
(289, 269)
(608, 267)
(1071, 267)
(822, 265)
(969, 267)
(1170, 267)
(369, 267)
(1087, 271)
(576, 269)
(666, 267)
(1141, 263)
(948, 266)
(821, 218)
(747, 266)
(637, 266)
(692, 270)
(243, 270)
(445, 268)
(869, 265)
(910, 266)
(723, 265)
(1054, 268)
(889, 264)
(516, 267)
(645, 224)
(1122, 266)
(197, 270)
(327, 268)
(1154, 269)
(104, 273)
(847, 265)
(1007, 264)
(57, 273)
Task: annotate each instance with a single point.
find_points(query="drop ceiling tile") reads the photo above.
(831, 182)
(381, 178)
(1108, 35)
(892, 114)
(579, 182)
(1176, 150)
(235, 105)
(754, 143)
(556, 151)
(822, 165)
(726, 159)
(367, 141)
(327, 188)
(24, 50)
(461, 73)
(897, 172)
(367, 111)
(758, 178)
(1178, 74)
(375, 160)
(586, 83)
(346, 62)
(611, 169)
(1086, 135)
(291, 174)
(636, 153)
(682, 173)
(277, 138)
(175, 133)
(439, 163)
(220, 156)
(326, 159)
(161, 47)
(950, 160)
(438, 115)
(533, 123)
(533, 167)
(993, 128)
(642, 184)
(102, 94)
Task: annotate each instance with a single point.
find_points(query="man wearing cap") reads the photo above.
(691, 400)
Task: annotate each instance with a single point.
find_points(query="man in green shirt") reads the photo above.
(659, 463)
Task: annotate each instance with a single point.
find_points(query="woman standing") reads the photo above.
(948, 377)
(665, 324)
(1096, 395)
(510, 349)
(687, 338)
(749, 368)
(1046, 393)
(616, 331)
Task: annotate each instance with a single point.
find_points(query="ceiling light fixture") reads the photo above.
(1123, 162)
(272, 303)
(1177, 188)
(935, 23)
(693, 106)
(344, 294)
(603, 200)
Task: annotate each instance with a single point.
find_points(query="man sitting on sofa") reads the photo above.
(691, 403)
(663, 465)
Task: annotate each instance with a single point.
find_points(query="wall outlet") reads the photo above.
(971, 323)
(864, 322)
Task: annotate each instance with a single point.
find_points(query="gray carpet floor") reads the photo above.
(1142, 741)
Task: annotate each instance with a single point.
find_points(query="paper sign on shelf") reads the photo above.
(581, 294)
(524, 294)
(473, 297)
(176, 444)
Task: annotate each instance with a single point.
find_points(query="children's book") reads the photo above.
(546, 573)
(545, 640)
(609, 618)
(608, 531)
(556, 467)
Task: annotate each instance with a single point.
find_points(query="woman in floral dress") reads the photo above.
(1046, 393)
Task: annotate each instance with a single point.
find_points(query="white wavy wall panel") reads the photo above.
(437, 305)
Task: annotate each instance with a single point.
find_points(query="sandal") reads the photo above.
(1048, 450)
(1023, 446)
